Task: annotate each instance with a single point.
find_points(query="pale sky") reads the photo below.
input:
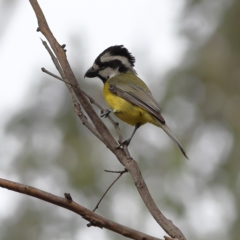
(149, 29)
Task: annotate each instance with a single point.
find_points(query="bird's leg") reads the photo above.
(105, 113)
(127, 142)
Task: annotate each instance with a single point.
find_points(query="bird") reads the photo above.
(127, 96)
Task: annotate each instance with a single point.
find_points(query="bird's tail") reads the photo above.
(168, 131)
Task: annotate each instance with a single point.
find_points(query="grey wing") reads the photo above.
(139, 97)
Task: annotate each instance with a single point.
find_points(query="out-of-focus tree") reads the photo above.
(56, 153)
(207, 87)
(7, 9)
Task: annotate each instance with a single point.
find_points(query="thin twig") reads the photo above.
(120, 174)
(111, 171)
(57, 77)
(54, 59)
(76, 105)
(115, 124)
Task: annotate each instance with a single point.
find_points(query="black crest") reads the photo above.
(119, 50)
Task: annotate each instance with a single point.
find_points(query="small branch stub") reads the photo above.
(68, 197)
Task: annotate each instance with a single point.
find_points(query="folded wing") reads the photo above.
(138, 94)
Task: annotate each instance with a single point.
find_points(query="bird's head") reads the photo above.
(111, 62)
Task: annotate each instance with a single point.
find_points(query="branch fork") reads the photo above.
(81, 101)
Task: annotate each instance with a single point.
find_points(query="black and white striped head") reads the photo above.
(111, 62)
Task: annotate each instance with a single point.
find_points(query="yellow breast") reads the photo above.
(125, 110)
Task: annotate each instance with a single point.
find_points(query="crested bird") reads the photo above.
(127, 96)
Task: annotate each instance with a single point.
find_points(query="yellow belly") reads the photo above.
(126, 111)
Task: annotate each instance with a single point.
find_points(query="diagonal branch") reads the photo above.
(76, 105)
(93, 218)
(69, 75)
(121, 154)
(115, 124)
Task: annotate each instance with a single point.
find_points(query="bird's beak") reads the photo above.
(91, 73)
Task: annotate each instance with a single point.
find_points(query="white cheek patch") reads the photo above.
(109, 72)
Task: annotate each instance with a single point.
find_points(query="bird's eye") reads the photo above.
(102, 66)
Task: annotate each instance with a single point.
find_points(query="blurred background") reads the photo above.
(188, 52)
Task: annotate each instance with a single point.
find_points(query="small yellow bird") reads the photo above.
(125, 93)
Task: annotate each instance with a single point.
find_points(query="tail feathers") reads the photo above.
(168, 131)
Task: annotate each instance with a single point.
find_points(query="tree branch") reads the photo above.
(121, 154)
(115, 124)
(93, 218)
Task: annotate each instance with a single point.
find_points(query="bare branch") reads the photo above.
(57, 77)
(111, 171)
(121, 154)
(93, 218)
(115, 124)
(76, 105)
(54, 59)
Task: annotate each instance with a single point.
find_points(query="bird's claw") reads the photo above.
(126, 142)
(122, 144)
(105, 113)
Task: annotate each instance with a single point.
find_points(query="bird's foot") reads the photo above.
(105, 113)
(123, 143)
(126, 142)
